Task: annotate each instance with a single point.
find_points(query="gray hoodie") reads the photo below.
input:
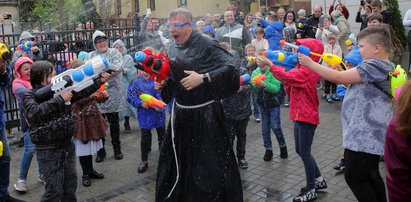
(116, 101)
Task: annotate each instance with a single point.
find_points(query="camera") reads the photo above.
(7, 16)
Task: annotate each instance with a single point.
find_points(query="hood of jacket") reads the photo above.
(315, 46)
(121, 43)
(26, 35)
(98, 34)
(18, 64)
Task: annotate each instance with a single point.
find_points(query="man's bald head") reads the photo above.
(318, 10)
(229, 17)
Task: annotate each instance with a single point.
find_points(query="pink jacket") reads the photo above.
(301, 85)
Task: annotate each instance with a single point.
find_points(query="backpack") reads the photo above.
(397, 78)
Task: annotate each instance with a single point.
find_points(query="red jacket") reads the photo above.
(301, 85)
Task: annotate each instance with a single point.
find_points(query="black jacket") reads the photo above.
(51, 122)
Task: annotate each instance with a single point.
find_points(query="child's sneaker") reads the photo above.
(305, 195)
(340, 166)
(243, 164)
(336, 98)
(320, 185)
(268, 156)
(328, 98)
(41, 179)
(258, 120)
(21, 186)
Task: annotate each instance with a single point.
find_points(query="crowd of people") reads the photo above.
(210, 108)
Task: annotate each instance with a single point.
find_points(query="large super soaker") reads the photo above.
(152, 101)
(327, 57)
(73, 79)
(282, 58)
(157, 66)
(25, 46)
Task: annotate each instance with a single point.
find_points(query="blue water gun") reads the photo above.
(282, 58)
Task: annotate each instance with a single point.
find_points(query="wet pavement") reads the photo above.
(277, 180)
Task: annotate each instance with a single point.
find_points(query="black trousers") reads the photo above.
(146, 138)
(86, 163)
(363, 176)
(329, 87)
(113, 120)
(237, 128)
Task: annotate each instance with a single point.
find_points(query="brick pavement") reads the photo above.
(278, 180)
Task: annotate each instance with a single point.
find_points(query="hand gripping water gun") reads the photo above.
(349, 43)
(244, 78)
(282, 58)
(4, 52)
(101, 93)
(398, 78)
(152, 101)
(258, 78)
(251, 59)
(25, 46)
(158, 65)
(327, 57)
(73, 79)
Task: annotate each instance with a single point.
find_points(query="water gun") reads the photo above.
(327, 57)
(349, 43)
(102, 93)
(25, 46)
(4, 52)
(244, 79)
(397, 79)
(258, 78)
(1, 148)
(73, 79)
(152, 101)
(251, 59)
(158, 65)
(282, 58)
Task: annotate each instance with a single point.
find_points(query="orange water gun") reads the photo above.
(259, 78)
(152, 101)
(101, 93)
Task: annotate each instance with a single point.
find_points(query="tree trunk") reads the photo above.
(92, 14)
(62, 14)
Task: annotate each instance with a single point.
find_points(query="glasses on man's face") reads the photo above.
(178, 26)
(100, 41)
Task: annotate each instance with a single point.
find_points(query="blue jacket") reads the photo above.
(4, 80)
(274, 33)
(147, 118)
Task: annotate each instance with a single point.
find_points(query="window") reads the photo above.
(183, 2)
(118, 7)
(153, 5)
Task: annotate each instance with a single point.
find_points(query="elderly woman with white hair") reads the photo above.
(344, 27)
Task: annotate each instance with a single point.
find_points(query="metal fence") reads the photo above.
(61, 47)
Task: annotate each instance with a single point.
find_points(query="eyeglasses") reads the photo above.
(100, 41)
(178, 26)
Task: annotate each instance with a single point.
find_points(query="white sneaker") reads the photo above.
(21, 186)
(41, 179)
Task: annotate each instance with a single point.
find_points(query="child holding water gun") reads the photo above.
(89, 128)
(333, 48)
(269, 97)
(148, 117)
(366, 110)
(52, 129)
(20, 86)
(301, 85)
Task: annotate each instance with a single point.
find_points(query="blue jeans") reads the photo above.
(304, 135)
(29, 150)
(256, 107)
(4, 166)
(270, 119)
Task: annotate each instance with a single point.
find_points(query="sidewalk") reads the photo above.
(278, 180)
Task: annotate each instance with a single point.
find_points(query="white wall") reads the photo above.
(353, 5)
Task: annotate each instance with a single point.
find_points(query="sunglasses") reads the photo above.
(178, 26)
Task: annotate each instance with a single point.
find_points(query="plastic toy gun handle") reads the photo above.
(1, 148)
(349, 43)
(302, 49)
